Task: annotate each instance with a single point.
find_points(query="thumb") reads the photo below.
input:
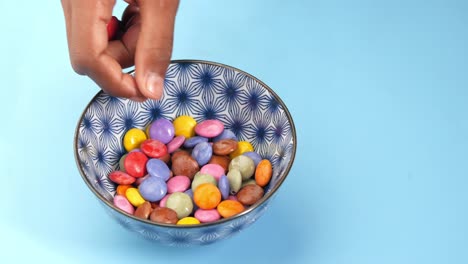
(154, 46)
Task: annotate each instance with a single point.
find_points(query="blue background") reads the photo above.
(379, 94)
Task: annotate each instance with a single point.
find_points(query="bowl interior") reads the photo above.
(203, 90)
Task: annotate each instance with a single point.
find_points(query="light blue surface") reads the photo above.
(379, 94)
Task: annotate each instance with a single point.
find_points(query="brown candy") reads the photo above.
(154, 205)
(222, 161)
(164, 215)
(185, 165)
(250, 194)
(166, 158)
(224, 146)
(178, 153)
(144, 210)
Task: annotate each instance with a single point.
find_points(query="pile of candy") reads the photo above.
(185, 173)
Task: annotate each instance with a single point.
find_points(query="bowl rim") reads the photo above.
(262, 201)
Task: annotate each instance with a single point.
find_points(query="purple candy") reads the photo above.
(153, 189)
(193, 141)
(175, 144)
(254, 156)
(202, 153)
(162, 130)
(158, 168)
(223, 185)
(135, 150)
(226, 134)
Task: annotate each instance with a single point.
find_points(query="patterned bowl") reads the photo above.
(203, 90)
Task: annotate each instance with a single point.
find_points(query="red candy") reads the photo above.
(121, 177)
(112, 28)
(135, 164)
(153, 148)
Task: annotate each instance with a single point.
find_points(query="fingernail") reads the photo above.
(154, 85)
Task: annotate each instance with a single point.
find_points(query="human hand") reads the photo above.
(146, 42)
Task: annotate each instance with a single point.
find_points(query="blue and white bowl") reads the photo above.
(203, 90)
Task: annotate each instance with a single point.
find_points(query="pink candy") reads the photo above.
(178, 184)
(232, 197)
(163, 201)
(214, 170)
(175, 144)
(209, 128)
(122, 203)
(207, 216)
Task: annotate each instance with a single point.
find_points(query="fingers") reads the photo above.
(154, 46)
(90, 53)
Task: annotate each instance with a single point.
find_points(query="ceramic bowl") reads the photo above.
(203, 90)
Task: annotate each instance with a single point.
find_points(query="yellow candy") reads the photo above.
(133, 139)
(188, 221)
(242, 147)
(184, 126)
(147, 130)
(134, 197)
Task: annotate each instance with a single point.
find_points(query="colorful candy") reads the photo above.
(207, 196)
(186, 173)
(133, 139)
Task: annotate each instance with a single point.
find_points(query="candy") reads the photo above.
(214, 170)
(178, 184)
(244, 164)
(226, 134)
(121, 177)
(247, 182)
(153, 189)
(254, 156)
(193, 141)
(153, 148)
(184, 126)
(163, 201)
(263, 173)
(223, 185)
(162, 130)
(209, 128)
(164, 215)
(188, 221)
(144, 210)
(133, 139)
(207, 216)
(224, 147)
(229, 208)
(250, 194)
(222, 161)
(242, 147)
(202, 153)
(134, 197)
(184, 164)
(201, 178)
(122, 188)
(157, 168)
(207, 196)
(181, 203)
(121, 162)
(112, 28)
(123, 204)
(135, 164)
(235, 180)
(176, 143)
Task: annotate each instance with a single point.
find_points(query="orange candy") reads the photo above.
(228, 208)
(263, 172)
(207, 196)
(121, 189)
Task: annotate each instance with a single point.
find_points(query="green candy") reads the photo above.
(244, 164)
(201, 178)
(181, 203)
(235, 180)
(248, 182)
(121, 163)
